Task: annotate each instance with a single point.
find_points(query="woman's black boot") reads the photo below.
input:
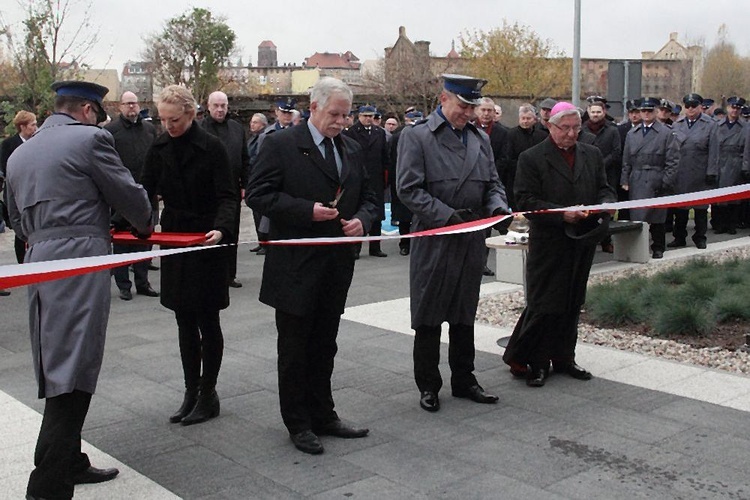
(206, 408)
(191, 398)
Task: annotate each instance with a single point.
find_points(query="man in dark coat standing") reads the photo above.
(446, 176)
(520, 138)
(311, 181)
(232, 135)
(374, 144)
(61, 186)
(133, 137)
(557, 173)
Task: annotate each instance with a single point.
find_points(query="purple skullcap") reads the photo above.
(562, 106)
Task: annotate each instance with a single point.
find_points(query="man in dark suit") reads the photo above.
(373, 141)
(559, 172)
(25, 124)
(310, 181)
(232, 135)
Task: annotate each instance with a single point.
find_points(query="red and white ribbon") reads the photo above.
(24, 274)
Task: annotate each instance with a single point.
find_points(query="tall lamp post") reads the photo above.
(576, 83)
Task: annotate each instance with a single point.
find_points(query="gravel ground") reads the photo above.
(504, 309)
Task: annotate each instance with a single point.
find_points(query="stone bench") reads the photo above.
(630, 239)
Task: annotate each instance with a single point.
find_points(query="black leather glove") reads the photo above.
(463, 215)
(746, 176)
(502, 226)
(140, 236)
(711, 180)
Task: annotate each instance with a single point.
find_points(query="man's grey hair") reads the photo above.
(526, 108)
(557, 117)
(260, 116)
(326, 87)
(486, 100)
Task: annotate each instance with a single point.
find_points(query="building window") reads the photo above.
(262, 80)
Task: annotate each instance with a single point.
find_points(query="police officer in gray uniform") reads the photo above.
(699, 147)
(649, 169)
(61, 185)
(446, 175)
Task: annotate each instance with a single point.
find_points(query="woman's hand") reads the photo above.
(213, 237)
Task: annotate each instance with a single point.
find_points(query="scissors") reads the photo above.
(339, 193)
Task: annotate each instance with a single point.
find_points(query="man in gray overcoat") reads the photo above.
(731, 166)
(649, 169)
(446, 175)
(61, 186)
(699, 147)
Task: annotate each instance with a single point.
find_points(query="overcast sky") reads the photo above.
(609, 28)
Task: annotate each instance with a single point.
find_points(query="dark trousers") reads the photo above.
(58, 455)
(404, 227)
(306, 349)
(679, 230)
(658, 237)
(726, 217)
(140, 269)
(460, 357)
(622, 195)
(201, 343)
(20, 247)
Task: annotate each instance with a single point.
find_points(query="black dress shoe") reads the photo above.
(147, 291)
(262, 251)
(338, 429)
(93, 475)
(188, 403)
(235, 284)
(403, 251)
(701, 245)
(4, 293)
(676, 243)
(378, 253)
(731, 231)
(152, 267)
(536, 377)
(256, 248)
(429, 401)
(720, 230)
(476, 394)
(307, 442)
(206, 408)
(574, 370)
(657, 254)
(126, 294)
(487, 271)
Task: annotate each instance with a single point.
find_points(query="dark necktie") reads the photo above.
(330, 156)
(645, 130)
(690, 124)
(368, 130)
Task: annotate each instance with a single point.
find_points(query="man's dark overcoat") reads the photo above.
(437, 175)
(192, 175)
(733, 146)
(699, 148)
(375, 153)
(649, 168)
(288, 178)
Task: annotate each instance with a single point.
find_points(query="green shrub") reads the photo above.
(673, 276)
(729, 306)
(698, 293)
(683, 318)
(610, 305)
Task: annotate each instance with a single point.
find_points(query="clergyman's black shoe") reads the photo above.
(476, 394)
(429, 401)
(574, 370)
(93, 475)
(147, 291)
(307, 442)
(338, 429)
(536, 377)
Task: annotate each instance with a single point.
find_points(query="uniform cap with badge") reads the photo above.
(89, 91)
(286, 105)
(468, 89)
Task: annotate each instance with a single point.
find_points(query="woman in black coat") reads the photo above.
(189, 169)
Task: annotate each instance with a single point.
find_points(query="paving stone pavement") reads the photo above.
(632, 432)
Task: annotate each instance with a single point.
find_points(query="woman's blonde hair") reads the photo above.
(178, 96)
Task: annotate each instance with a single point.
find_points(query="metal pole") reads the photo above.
(625, 96)
(576, 83)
